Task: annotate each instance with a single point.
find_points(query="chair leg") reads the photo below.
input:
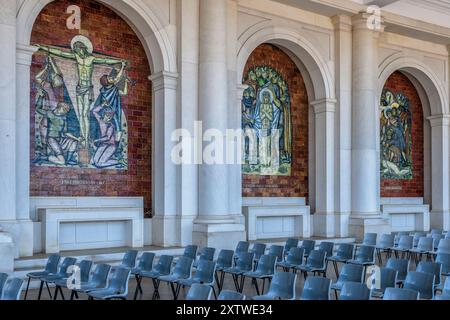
(336, 270)
(26, 290)
(264, 283)
(335, 294)
(135, 293)
(48, 290)
(62, 293)
(55, 297)
(216, 277)
(214, 292)
(257, 288)
(72, 295)
(40, 290)
(222, 279)
(241, 287)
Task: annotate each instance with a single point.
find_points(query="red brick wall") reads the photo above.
(110, 35)
(297, 184)
(399, 83)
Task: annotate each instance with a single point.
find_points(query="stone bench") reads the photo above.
(91, 228)
(406, 214)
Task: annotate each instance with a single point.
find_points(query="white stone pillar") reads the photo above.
(214, 226)
(23, 63)
(440, 211)
(343, 123)
(324, 219)
(365, 211)
(8, 121)
(165, 231)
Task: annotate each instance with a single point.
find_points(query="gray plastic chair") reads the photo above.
(444, 246)
(277, 251)
(354, 291)
(370, 239)
(162, 268)
(316, 288)
(282, 287)
(224, 261)
(405, 244)
(384, 246)
(436, 239)
(401, 266)
(182, 270)
(199, 292)
(145, 265)
(445, 292)
(3, 278)
(129, 259)
(388, 279)
(424, 246)
(343, 254)
(400, 294)
(258, 249)
(85, 267)
(228, 295)
(265, 270)
(444, 259)
(51, 267)
(61, 274)
(365, 256)
(244, 263)
(328, 247)
(316, 263)
(12, 289)
(290, 243)
(98, 280)
(349, 273)
(117, 286)
(422, 282)
(242, 246)
(309, 246)
(205, 254)
(294, 259)
(190, 252)
(416, 238)
(433, 268)
(436, 231)
(204, 275)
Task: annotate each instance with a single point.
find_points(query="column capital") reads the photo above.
(368, 21)
(164, 80)
(442, 120)
(324, 105)
(342, 22)
(24, 54)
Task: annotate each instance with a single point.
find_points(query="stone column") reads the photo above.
(324, 219)
(8, 125)
(343, 124)
(365, 211)
(440, 211)
(214, 226)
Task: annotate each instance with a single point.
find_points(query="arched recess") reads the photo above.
(435, 106)
(319, 83)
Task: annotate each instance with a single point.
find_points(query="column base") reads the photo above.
(359, 225)
(218, 235)
(440, 219)
(331, 225)
(22, 232)
(171, 231)
(7, 252)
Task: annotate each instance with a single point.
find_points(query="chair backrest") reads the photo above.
(119, 278)
(400, 294)
(386, 241)
(436, 239)
(3, 278)
(446, 289)
(366, 254)
(100, 276)
(242, 246)
(199, 292)
(290, 243)
(422, 282)
(308, 245)
(205, 271)
(444, 245)
(183, 268)
(417, 237)
(85, 270)
(316, 288)
(327, 247)
(164, 264)
(52, 263)
(354, 291)
(258, 249)
(207, 254)
(345, 251)
(146, 261)
(444, 259)
(398, 235)
(283, 285)
(225, 259)
(352, 273)
(425, 244)
(370, 239)
(67, 262)
(296, 256)
(12, 289)
(316, 259)
(406, 242)
(434, 268)
(276, 251)
(388, 278)
(129, 259)
(400, 265)
(245, 261)
(436, 231)
(190, 252)
(230, 296)
(266, 264)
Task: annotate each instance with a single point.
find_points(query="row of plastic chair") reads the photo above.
(10, 288)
